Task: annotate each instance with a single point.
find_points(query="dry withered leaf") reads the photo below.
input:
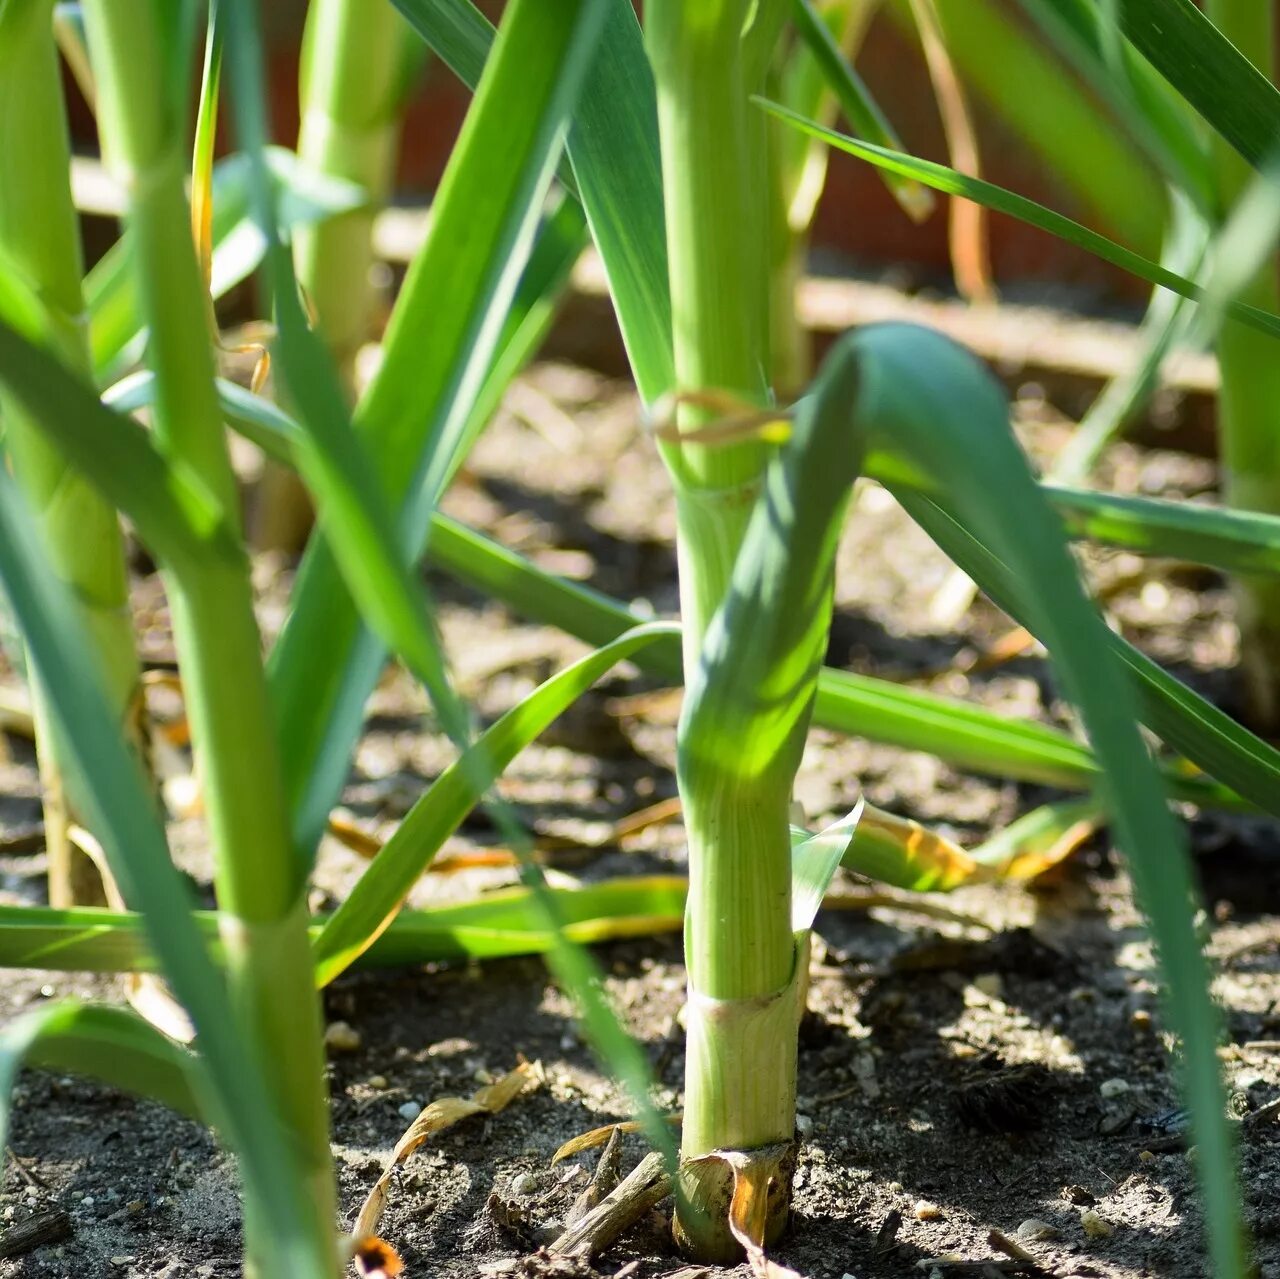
(443, 1113)
(598, 1136)
(754, 1171)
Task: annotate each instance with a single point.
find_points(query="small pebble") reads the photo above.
(342, 1037)
(410, 1111)
(380, 1082)
(1141, 1019)
(523, 1183)
(1096, 1226)
(1113, 1088)
(926, 1211)
(991, 985)
(1033, 1230)
(804, 1125)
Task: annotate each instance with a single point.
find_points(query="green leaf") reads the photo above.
(613, 150)
(1209, 71)
(113, 1045)
(990, 196)
(377, 895)
(1145, 105)
(499, 924)
(916, 396)
(965, 735)
(418, 408)
(1239, 541)
(814, 862)
(1183, 719)
(914, 719)
(861, 110)
(117, 329)
(1086, 149)
(1036, 832)
(176, 515)
(119, 808)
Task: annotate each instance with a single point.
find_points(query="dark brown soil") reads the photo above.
(963, 1075)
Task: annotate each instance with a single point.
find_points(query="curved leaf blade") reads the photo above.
(376, 897)
(941, 178)
(113, 1045)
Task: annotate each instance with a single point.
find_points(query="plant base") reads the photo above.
(731, 1202)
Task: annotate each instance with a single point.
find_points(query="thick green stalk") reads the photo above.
(740, 951)
(39, 238)
(219, 646)
(1249, 399)
(356, 59)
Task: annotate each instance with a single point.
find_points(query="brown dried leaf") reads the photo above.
(442, 1113)
(598, 1136)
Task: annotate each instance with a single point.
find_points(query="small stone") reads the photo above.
(926, 1211)
(1146, 1157)
(523, 1183)
(804, 1125)
(410, 1111)
(1113, 1088)
(342, 1037)
(991, 985)
(1141, 1019)
(568, 1043)
(134, 1207)
(123, 1259)
(1095, 1225)
(1033, 1230)
(87, 1201)
(380, 1082)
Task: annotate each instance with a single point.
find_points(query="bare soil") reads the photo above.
(953, 1076)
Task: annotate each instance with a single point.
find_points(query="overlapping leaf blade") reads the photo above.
(119, 807)
(921, 398)
(114, 1045)
(942, 178)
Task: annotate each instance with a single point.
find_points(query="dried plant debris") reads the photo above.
(756, 1176)
(646, 1186)
(995, 1097)
(597, 1137)
(603, 1181)
(51, 1226)
(443, 1113)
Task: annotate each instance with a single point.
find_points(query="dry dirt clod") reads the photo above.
(1095, 1225)
(342, 1037)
